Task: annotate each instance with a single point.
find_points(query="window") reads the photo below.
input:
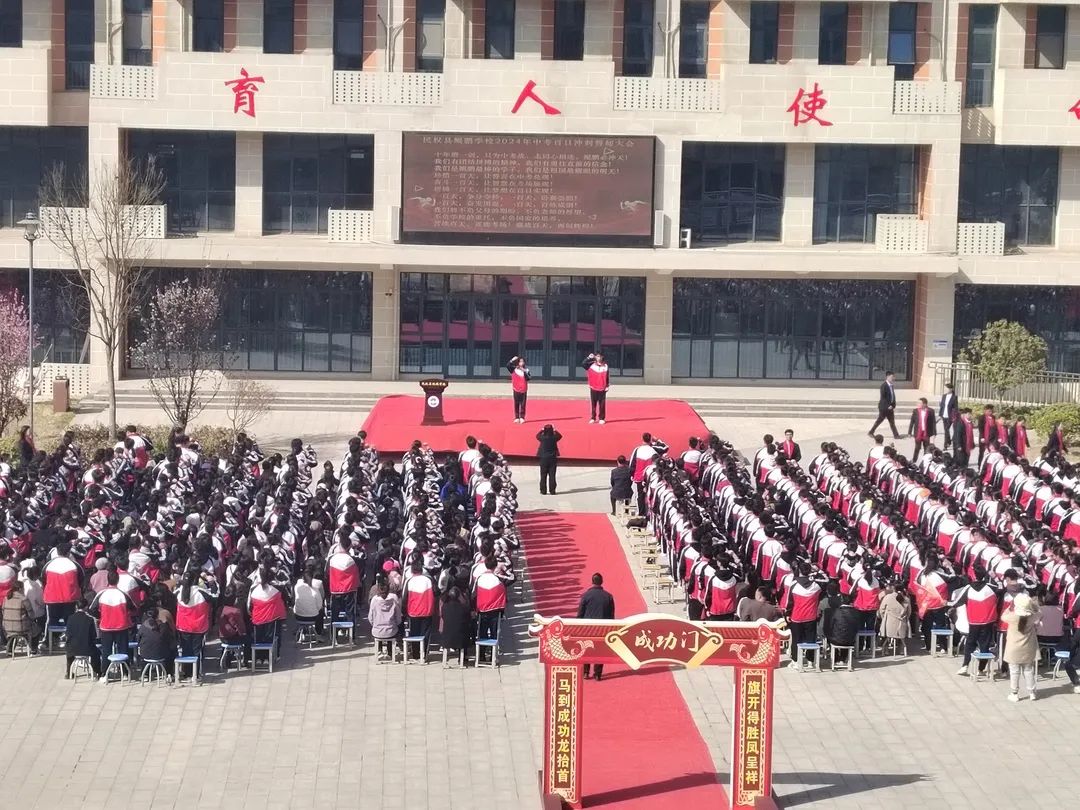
(979, 87)
(26, 154)
(208, 26)
(853, 184)
(304, 176)
(278, 21)
(499, 29)
(791, 329)
(1017, 185)
(430, 35)
(902, 40)
(348, 34)
(732, 192)
(78, 43)
(1050, 36)
(284, 320)
(637, 55)
(1051, 312)
(11, 24)
(138, 32)
(569, 41)
(61, 314)
(693, 39)
(200, 176)
(832, 34)
(764, 32)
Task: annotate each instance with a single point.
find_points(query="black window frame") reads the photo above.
(764, 32)
(208, 26)
(27, 154)
(1009, 184)
(138, 19)
(348, 35)
(979, 76)
(694, 39)
(61, 313)
(430, 14)
(500, 18)
(568, 40)
(833, 33)
(315, 165)
(199, 169)
(639, 20)
(903, 27)
(723, 183)
(858, 182)
(79, 24)
(1051, 27)
(279, 26)
(11, 23)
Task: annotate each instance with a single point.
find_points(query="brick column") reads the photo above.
(408, 36)
(385, 309)
(249, 176)
(785, 47)
(716, 40)
(854, 34)
(923, 25)
(797, 227)
(935, 298)
(547, 29)
(300, 25)
(159, 29)
(805, 33)
(961, 42)
(659, 293)
(478, 34)
(57, 55)
(1031, 27)
(229, 26)
(371, 35)
(617, 19)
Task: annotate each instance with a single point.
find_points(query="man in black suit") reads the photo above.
(547, 450)
(596, 603)
(922, 426)
(886, 406)
(949, 411)
(963, 438)
(790, 446)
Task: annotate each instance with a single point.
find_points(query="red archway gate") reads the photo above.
(753, 649)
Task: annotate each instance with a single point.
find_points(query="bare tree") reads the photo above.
(246, 402)
(179, 347)
(103, 225)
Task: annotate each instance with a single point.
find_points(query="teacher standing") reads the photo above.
(547, 450)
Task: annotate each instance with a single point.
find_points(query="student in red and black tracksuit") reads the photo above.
(114, 611)
(596, 372)
(62, 584)
(194, 610)
(803, 607)
(418, 602)
(643, 457)
(983, 605)
(519, 382)
(344, 576)
(489, 600)
(266, 604)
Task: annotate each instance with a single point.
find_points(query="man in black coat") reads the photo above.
(596, 603)
(923, 426)
(948, 412)
(547, 450)
(81, 638)
(622, 484)
(886, 406)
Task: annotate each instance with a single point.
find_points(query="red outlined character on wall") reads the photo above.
(528, 92)
(806, 106)
(244, 90)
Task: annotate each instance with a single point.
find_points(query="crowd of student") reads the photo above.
(888, 544)
(142, 553)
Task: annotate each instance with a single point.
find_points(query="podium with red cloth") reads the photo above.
(433, 401)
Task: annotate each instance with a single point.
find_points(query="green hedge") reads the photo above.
(213, 440)
(1067, 413)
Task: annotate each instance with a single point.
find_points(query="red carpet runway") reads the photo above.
(394, 423)
(641, 748)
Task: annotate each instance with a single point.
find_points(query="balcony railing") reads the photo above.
(980, 239)
(901, 233)
(123, 81)
(388, 89)
(349, 226)
(676, 95)
(1046, 388)
(147, 222)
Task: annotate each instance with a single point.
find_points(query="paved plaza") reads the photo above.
(334, 729)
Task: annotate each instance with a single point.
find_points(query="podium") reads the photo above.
(433, 401)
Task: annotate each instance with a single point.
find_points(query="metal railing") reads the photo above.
(1047, 387)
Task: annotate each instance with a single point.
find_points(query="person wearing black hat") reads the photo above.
(547, 451)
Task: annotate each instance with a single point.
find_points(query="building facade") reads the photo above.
(729, 190)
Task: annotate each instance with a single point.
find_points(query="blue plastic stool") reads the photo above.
(802, 650)
(118, 663)
(1061, 657)
(978, 657)
(937, 633)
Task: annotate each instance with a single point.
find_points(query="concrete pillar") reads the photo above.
(1010, 35)
(387, 192)
(735, 25)
(249, 25)
(942, 181)
(527, 27)
(668, 185)
(1068, 213)
(454, 43)
(805, 40)
(659, 292)
(249, 173)
(666, 17)
(797, 229)
(932, 342)
(599, 22)
(320, 26)
(384, 322)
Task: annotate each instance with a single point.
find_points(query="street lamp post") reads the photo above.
(30, 225)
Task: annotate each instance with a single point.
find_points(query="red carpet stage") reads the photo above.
(662, 762)
(394, 423)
